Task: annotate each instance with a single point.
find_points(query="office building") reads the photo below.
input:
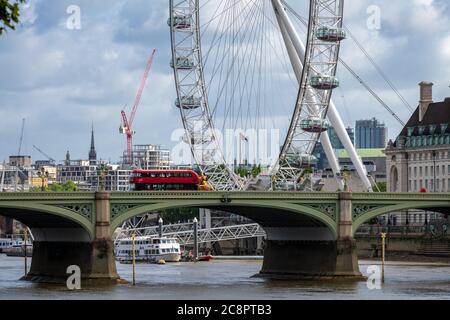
(319, 153)
(149, 157)
(336, 142)
(370, 134)
(419, 159)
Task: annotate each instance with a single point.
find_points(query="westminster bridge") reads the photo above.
(308, 234)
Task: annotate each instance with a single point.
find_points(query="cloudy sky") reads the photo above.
(63, 80)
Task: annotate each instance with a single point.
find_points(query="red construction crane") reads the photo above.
(127, 122)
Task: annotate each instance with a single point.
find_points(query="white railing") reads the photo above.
(184, 233)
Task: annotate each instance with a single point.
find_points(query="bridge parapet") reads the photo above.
(39, 197)
(367, 206)
(386, 196)
(217, 195)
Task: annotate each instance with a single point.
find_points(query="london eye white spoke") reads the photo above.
(228, 75)
(237, 82)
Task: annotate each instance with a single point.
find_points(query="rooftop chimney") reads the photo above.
(426, 98)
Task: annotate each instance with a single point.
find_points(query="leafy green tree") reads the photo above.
(180, 214)
(55, 187)
(35, 189)
(9, 14)
(256, 170)
(69, 186)
(381, 187)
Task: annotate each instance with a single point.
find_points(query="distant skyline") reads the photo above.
(64, 80)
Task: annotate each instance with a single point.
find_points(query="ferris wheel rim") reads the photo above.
(289, 173)
(227, 174)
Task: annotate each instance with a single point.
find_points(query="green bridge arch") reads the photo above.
(369, 206)
(80, 209)
(282, 209)
(42, 210)
(31, 213)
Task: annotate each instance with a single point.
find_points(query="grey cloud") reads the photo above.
(62, 80)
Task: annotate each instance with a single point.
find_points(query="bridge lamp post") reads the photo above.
(102, 173)
(133, 256)
(434, 170)
(25, 240)
(195, 239)
(160, 227)
(43, 175)
(383, 255)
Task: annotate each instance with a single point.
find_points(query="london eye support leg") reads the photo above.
(313, 253)
(298, 68)
(292, 39)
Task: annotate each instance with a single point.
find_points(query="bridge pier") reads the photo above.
(311, 260)
(303, 254)
(54, 250)
(51, 259)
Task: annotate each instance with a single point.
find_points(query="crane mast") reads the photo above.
(44, 154)
(127, 122)
(21, 137)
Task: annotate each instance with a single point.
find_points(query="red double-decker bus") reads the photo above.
(161, 180)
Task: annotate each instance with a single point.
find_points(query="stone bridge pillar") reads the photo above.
(347, 258)
(54, 250)
(102, 255)
(313, 253)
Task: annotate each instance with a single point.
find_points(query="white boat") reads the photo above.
(17, 249)
(148, 249)
(5, 243)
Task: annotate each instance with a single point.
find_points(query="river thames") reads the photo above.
(232, 280)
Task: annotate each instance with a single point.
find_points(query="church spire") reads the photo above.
(92, 152)
(67, 161)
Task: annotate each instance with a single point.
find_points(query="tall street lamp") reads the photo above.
(434, 171)
(102, 173)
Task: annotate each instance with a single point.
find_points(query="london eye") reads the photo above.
(243, 68)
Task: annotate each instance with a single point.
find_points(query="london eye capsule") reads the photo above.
(197, 138)
(185, 63)
(188, 102)
(330, 34)
(302, 160)
(323, 82)
(180, 21)
(314, 125)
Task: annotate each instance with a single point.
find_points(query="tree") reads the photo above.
(55, 187)
(381, 187)
(69, 186)
(241, 171)
(256, 170)
(180, 214)
(102, 172)
(9, 14)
